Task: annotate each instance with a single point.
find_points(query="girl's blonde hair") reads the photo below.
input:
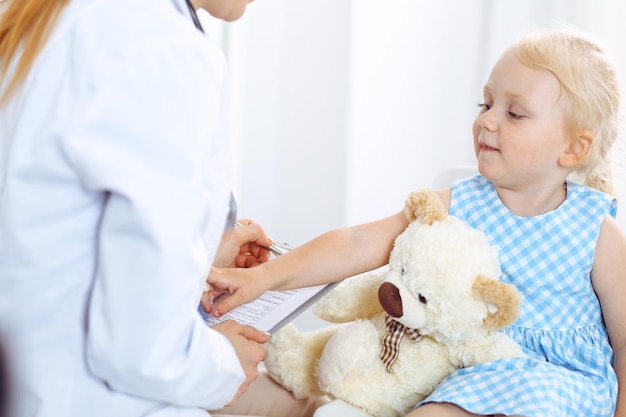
(24, 29)
(592, 95)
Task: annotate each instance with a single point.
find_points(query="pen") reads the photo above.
(274, 248)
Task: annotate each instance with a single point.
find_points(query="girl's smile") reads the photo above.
(486, 148)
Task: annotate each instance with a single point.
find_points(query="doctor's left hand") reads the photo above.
(243, 247)
(232, 287)
(249, 344)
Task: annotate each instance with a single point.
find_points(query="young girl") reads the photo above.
(550, 111)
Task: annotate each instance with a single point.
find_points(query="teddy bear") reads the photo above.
(395, 335)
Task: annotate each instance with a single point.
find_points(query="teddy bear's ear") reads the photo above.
(504, 297)
(424, 205)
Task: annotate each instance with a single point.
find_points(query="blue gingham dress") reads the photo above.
(568, 371)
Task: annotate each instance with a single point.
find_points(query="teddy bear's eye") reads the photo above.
(422, 299)
(403, 271)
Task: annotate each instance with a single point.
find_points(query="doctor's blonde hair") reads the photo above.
(24, 29)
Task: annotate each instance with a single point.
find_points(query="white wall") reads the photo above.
(290, 65)
(342, 107)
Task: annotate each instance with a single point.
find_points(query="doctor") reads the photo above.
(115, 177)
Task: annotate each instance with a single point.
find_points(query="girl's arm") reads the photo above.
(330, 257)
(609, 281)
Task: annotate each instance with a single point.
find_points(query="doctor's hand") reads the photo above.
(230, 288)
(243, 247)
(249, 345)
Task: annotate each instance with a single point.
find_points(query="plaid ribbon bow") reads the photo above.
(391, 341)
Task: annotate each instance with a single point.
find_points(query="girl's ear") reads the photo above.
(578, 150)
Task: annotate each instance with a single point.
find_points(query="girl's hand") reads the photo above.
(230, 288)
(243, 247)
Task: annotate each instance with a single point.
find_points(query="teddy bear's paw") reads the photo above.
(292, 359)
(288, 363)
(490, 348)
(354, 298)
(350, 357)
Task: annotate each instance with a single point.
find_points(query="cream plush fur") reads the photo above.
(443, 281)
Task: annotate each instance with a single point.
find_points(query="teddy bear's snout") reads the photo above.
(390, 299)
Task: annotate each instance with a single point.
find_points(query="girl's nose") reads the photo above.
(486, 121)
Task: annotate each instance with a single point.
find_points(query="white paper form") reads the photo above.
(273, 309)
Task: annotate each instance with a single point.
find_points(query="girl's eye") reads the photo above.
(484, 106)
(514, 115)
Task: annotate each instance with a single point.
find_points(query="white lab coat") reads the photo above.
(114, 183)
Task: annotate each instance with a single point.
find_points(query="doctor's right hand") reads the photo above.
(249, 344)
(243, 247)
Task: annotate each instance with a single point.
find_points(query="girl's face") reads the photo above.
(228, 10)
(519, 133)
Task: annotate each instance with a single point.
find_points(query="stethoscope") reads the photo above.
(231, 217)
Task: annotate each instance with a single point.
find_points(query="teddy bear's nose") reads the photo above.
(389, 297)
